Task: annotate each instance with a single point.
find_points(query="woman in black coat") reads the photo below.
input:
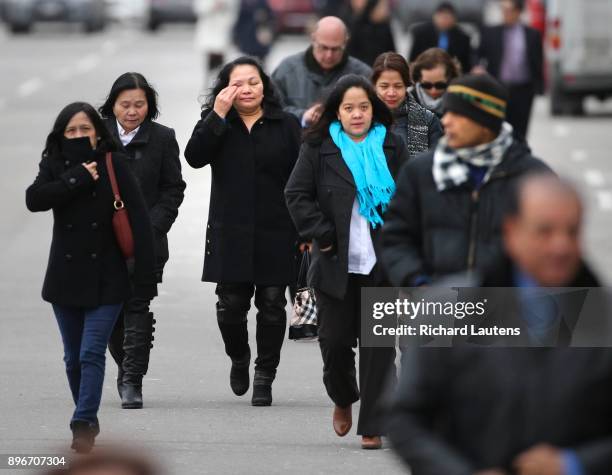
(337, 194)
(153, 156)
(251, 146)
(87, 276)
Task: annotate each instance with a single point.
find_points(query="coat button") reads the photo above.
(208, 226)
(94, 225)
(69, 226)
(208, 253)
(68, 256)
(67, 162)
(94, 255)
(208, 241)
(93, 194)
(72, 181)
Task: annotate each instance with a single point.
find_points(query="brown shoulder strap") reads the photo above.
(112, 177)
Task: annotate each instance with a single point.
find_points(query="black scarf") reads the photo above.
(315, 67)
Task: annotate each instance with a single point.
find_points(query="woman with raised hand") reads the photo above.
(87, 278)
(251, 146)
(337, 196)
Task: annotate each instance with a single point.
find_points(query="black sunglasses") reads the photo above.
(440, 85)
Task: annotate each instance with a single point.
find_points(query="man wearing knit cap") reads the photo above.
(446, 214)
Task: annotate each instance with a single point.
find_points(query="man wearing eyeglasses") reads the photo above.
(303, 78)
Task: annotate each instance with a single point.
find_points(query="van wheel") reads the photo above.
(20, 28)
(564, 104)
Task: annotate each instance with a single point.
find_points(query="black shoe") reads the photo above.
(131, 397)
(120, 382)
(83, 436)
(239, 375)
(262, 389)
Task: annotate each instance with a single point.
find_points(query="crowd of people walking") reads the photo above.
(389, 172)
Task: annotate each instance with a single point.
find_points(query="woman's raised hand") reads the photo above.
(225, 100)
(92, 168)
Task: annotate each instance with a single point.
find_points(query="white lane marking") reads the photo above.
(605, 199)
(594, 178)
(88, 63)
(61, 75)
(579, 155)
(561, 130)
(29, 87)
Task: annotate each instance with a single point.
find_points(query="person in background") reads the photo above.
(130, 111)
(445, 216)
(547, 411)
(87, 278)
(255, 29)
(304, 79)
(432, 71)
(419, 127)
(370, 29)
(513, 54)
(443, 32)
(251, 146)
(337, 195)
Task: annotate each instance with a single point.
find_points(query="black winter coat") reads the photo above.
(320, 196)
(464, 409)
(426, 36)
(153, 158)
(86, 267)
(428, 233)
(249, 234)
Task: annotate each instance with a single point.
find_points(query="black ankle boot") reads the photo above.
(131, 396)
(239, 375)
(83, 436)
(262, 389)
(120, 381)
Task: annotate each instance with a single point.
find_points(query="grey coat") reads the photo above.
(301, 83)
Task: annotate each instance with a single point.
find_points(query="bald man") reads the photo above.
(304, 78)
(473, 410)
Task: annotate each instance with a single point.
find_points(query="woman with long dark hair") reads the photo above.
(152, 154)
(419, 127)
(251, 146)
(337, 196)
(87, 277)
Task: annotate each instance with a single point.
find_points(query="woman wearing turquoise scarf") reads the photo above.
(337, 196)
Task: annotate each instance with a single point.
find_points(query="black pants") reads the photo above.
(339, 330)
(519, 108)
(131, 341)
(234, 302)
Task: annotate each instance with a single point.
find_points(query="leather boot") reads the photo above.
(262, 388)
(239, 374)
(120, 381)
(131, 396)
(83, 436)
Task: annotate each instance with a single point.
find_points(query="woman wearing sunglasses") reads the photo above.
(431, 72)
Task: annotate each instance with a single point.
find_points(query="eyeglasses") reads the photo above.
(331, 49)
(440, 85)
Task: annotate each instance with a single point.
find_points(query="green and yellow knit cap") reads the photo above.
(478, 97)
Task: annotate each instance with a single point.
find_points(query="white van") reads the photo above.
(579, 47)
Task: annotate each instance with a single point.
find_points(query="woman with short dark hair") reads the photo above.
(87, 278)
(152, 154)
(337, 196)
(432, 71)
(419, 127)
(251, 146)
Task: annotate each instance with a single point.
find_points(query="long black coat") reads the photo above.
(426, 36)
(86, 267)
(464, 409)
(153, 158)
(320, 196)
(428, 233)
(249, 234)
(491, 52)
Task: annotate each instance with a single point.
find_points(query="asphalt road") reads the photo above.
(192, 422)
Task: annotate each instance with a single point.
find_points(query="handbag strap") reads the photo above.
(118, 203)
(304, 265)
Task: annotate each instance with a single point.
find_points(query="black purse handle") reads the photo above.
(304, 265)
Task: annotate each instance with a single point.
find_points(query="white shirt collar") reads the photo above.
(126, 137)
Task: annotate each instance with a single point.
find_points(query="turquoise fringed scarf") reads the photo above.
(367, 162)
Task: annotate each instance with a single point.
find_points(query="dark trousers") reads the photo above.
(519, 108)
(234, 302)
(131, 341)
(85, 334)
(339, 330)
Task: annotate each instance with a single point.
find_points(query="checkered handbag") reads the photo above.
(304, 315)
